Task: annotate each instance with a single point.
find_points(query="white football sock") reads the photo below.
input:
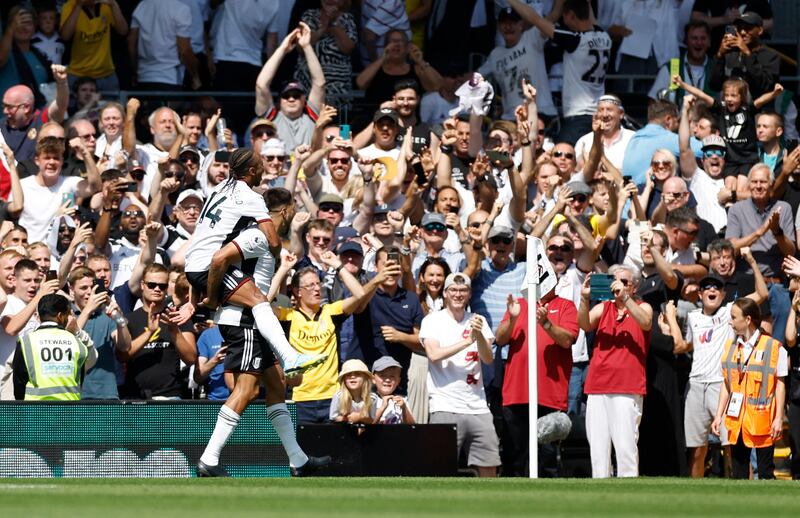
(270, 328)
(282, 422)
(227, 420)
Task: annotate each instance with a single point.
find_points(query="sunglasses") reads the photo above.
(132, 214)
(274, 158)
(321, 239)
(689, 232)
(498, 240)
(88, 136)
(580, 198)
(710, 286)
(330, 207)
(174, 174)
(153, 285)
(708, 153)
(292, 95)
(435, 227)
(661, 163)
(189, 158)
(476, 224)
(563, 248)
(559, 154)
(261, 131)
(342, 160)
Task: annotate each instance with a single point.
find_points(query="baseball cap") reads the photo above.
(501, 231)
(712, 280)
(350, 246)
(713, 141)
(222, 156)
(457, 278)
(135, 165)
(351, 366)
(433, 217)
(386, 113)
(381, 209)
(330, 198)
(580, 188)
(189, 193)
(508, 13)
(610, 98)
(273, 147)
(293, 86)
(342, 234)
(188, 148)
(750, 18)
(262, 122)
(385, 362)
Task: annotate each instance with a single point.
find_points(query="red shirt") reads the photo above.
(555, 362)
(620, 352)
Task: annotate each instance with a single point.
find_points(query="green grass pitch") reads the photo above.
(345, 497)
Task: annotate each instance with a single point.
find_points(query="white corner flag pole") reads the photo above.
(533, 387)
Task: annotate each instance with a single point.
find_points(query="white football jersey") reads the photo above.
(257, 262)
(586, 59)
(708, 335)
(232, 207)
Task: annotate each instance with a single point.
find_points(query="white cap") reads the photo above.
(272, 147)
(190, 193)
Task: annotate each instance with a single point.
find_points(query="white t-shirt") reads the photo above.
(615, 152)
(149, 155)
(8, 344)
(372, 152)
(356, 406)
(42, 203)
(708, 335)
(455, 384)
(252, 244)
(393, 413)
(239, 28)
(124, 256)
(586, 58)
(434, 109)
(200, 12)
(569, 287)
(160, 24)
(525, 60)
(705, 190)
(232, 207)
(782, 369)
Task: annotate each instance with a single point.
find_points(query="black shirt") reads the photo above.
(155, 370)
(738, 129)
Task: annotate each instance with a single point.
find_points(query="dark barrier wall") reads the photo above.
(131, 439)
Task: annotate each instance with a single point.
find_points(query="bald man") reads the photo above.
(675, 194)
(165, 135)
(23, 121)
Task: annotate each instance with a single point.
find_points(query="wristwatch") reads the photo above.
(547, 325)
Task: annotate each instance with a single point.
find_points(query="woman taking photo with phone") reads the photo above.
(616, 384)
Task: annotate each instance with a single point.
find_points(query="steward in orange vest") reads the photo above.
(753, 394)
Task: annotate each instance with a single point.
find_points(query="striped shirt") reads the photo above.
(491, 287)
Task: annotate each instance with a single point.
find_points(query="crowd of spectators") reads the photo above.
(408, 149)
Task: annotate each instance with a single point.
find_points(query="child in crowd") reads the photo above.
(393, 409)
(47, 40)
(354, 402)
(736, 119)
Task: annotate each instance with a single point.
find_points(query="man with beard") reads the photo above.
(386, 127)
(707, 331)
(164, 132)
(217, 170)
(706, 184)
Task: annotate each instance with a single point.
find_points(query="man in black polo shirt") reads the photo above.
(395, 315)
(153, 360)
(722, 262)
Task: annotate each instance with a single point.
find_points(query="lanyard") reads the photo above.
(743, 369)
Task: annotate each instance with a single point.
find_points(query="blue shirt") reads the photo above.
(207, 346)
(101, 380)
(455, 260)
(401, 311)
(644, 143)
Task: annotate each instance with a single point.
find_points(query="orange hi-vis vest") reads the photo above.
(755, 378)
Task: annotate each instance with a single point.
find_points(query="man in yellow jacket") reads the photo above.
(49, 362)
(752, 397)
